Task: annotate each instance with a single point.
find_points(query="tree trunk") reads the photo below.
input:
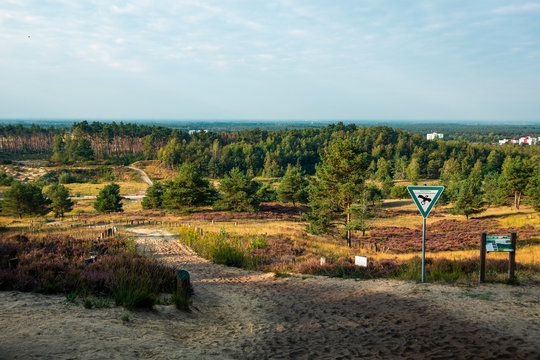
(517, 198)
(348, 222)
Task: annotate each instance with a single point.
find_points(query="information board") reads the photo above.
(498, 244)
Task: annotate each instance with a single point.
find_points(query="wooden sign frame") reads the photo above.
(511, 260)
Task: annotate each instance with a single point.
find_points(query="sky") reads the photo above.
(271, 60)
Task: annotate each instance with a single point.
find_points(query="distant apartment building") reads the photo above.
(434, 136)
(527, 140)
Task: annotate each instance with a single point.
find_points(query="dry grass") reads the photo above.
(156, 170)
(126, 188)
(527, 255)
(252, 227)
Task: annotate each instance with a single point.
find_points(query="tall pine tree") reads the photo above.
(293, 186)
(338, 185)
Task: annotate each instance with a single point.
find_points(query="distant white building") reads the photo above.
(528, 140)
(503, 141)
(434, 136)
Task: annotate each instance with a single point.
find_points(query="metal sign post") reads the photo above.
(425, 198)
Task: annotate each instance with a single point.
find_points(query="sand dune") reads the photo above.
(251, 315)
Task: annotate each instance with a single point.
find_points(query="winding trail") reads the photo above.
(144, 177)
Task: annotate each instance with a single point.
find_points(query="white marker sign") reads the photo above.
(360, 261)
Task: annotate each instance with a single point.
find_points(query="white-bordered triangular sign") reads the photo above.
(425, 197)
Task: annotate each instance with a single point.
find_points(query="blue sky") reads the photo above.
(283, 59)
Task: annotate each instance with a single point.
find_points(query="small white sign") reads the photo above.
(360, 261)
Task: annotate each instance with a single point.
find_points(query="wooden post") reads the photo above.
(512, 265)
(13, 262)
(482, 273)
(183, 286)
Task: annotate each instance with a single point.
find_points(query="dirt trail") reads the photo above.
(251, 315)
(144, 177)
(317, 317)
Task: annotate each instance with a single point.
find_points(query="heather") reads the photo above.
(442, 235)
(285, 255)
(80, 267)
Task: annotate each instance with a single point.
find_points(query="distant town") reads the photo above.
(525, 140)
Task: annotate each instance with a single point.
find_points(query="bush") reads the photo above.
(222, 248)
(56, 265)
(399, 192)
(66, 178)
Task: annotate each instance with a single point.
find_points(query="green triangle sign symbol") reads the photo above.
(425, 197)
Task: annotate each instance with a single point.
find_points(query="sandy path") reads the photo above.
(244, 314)
(144, 177)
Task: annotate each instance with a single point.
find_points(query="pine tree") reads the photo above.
(293, 186)
(61, 203)
(238, 192)
(59, 154)
(109, 199)
(387, 186)
(25, 199)
(413, 171)
(469, 199)
(189, 189)
(493, 190)
(533, 189)
(383, 169)
(516, 173)
(339, 183)
(153, 199)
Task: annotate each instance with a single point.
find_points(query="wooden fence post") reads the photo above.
(482, 274)
(183, 286)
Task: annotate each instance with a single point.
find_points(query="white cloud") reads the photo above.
(515, 9)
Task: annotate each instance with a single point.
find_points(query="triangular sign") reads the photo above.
(425, 197)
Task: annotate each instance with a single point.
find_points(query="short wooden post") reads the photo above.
(13, 262)
(512, 265)
(482, 273)
(183, 286)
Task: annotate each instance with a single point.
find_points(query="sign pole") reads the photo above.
(424, 250)
(425, 198)
(512, 259)
(482, 274)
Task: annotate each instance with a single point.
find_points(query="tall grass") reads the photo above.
(224, 248)
(260, 253)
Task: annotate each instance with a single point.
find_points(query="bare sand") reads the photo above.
(241, 314)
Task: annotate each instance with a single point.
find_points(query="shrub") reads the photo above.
(66, 178)
(55, 265)
(399, 192)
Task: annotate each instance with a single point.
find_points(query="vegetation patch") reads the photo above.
(442, 235)
(284, 255)
(56, 264)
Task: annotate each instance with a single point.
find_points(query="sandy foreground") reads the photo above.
(241, 314)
